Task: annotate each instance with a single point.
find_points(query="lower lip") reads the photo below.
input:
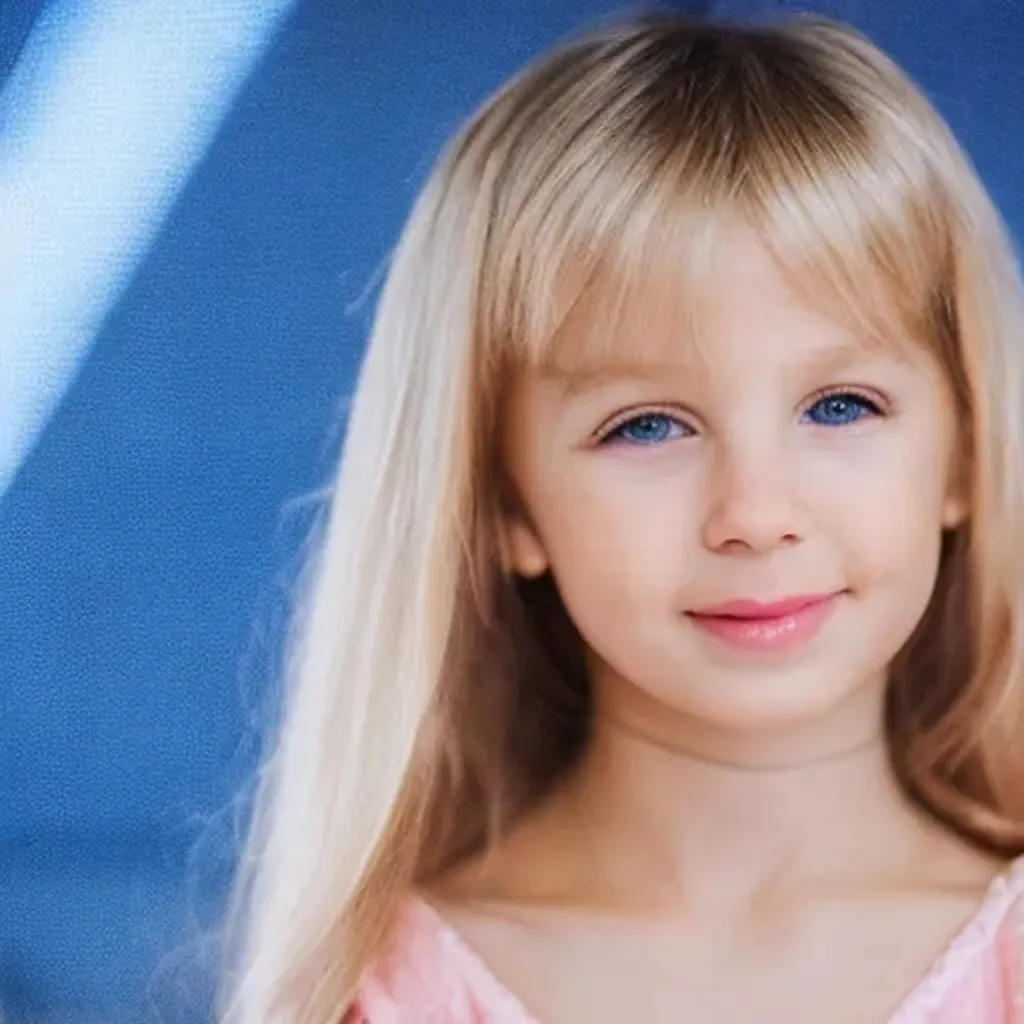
(778, 633)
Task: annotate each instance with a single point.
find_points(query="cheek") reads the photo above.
(616, 534)
(885, 506)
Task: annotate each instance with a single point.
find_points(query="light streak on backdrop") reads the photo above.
(110, 107)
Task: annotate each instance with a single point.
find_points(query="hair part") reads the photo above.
(431, 697)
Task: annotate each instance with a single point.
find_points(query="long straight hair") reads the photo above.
(430, 698)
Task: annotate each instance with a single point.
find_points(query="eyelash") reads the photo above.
(613, 431)
(873, 404)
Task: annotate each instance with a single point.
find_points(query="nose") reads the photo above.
(752, 506)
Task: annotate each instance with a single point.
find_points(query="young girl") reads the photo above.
(662, 658)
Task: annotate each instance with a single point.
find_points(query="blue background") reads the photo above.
(147, 537)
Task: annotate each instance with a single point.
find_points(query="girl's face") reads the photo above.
(747, 534)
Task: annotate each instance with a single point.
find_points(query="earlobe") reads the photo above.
(522, 551)
(957, 506)
(954, 512)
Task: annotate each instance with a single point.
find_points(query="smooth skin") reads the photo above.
(733, 846)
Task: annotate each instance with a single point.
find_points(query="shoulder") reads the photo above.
(982, 975)
(420, 978)
(1007, 896)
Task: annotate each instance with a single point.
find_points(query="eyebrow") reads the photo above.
(574, 381)
(835, 356)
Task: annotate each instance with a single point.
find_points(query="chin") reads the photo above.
(765, 700)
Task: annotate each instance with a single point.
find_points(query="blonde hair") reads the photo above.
(430, 697)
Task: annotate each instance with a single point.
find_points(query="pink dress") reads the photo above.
(432, 977)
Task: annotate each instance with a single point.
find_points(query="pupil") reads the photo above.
(649, 426)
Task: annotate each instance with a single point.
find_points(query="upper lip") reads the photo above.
(749, 608)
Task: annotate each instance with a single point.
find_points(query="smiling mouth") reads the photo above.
(767, 626)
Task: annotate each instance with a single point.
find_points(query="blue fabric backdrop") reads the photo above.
(193, 194)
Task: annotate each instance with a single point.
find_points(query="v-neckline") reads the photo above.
(921, 1002)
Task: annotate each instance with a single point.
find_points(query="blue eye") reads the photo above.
(650, 428)
(841, 409)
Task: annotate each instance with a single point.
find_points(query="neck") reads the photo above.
(691, 809)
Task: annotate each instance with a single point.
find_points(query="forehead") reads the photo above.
(738, 297)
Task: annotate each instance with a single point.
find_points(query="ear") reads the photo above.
(954, 512)
(956, 506)
(522, 552)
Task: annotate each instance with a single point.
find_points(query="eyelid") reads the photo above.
(877, 398)
(620, 419)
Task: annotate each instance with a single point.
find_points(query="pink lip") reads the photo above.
(773, 626)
